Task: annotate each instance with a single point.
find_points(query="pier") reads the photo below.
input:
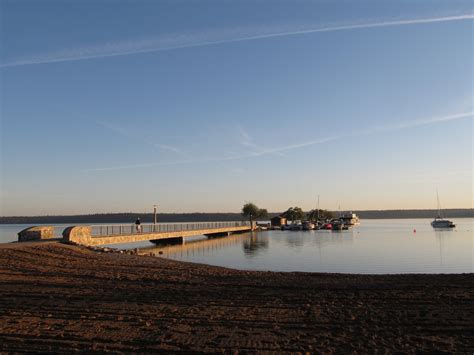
(128, 233)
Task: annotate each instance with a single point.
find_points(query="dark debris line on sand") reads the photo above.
(56, 297)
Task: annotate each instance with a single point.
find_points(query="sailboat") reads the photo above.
(439, 221)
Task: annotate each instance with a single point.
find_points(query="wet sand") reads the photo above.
(63, 298)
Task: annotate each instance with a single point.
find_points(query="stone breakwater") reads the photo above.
(65, 298)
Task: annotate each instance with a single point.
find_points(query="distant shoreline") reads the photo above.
(130, 217)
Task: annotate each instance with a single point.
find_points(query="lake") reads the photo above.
(375, 247)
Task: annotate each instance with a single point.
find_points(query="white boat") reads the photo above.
(350, 219)
(308, 226)
(439, 221)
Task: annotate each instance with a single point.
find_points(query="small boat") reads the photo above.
(439, 221)
(318, 225)
(296, 227)
(327, 226)
(263, 226)
(308, 226)
(337, 225)
(350, 219)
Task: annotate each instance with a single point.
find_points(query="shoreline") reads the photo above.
(63, 298)
(180, 217)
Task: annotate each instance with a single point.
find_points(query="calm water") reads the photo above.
(376, 246)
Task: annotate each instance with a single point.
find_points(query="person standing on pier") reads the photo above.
(138, 225)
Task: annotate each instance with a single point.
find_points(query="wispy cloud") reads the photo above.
(367, 131)
(245, 140)
(172, 163)
(376, 129)
(114, 128)
(126, 133)
(206, 38)
(169, 148)
(244, 137)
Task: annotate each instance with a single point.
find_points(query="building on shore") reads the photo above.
(278, 221)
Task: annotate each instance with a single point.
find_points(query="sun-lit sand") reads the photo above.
(65, 298)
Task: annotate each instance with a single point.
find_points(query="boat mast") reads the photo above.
(439, 205)
(318, 207)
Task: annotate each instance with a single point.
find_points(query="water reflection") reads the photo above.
(441, 235)
(320, 239)
(296, 239)
(254, 244)
(200, 246)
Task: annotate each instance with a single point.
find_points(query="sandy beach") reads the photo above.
(63, 298)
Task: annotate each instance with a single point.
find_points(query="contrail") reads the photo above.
(180, 162)
(372, 130)
(368, 131)
(166, 43)
(125, 133)
(246, 141)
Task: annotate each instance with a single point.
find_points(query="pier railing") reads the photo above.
(122, 229)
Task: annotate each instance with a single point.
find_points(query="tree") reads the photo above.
(327, 214)
(251, 211)
(262, 213)
(294, 214)
(323, 215)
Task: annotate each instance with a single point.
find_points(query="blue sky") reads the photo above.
(110, 106)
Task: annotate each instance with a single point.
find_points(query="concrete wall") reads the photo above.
(36, 233)
(78, 234)
(82, 235)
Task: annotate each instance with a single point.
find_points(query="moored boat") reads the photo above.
(338, 225)
(296, 227)
(307, 226)
(350, 219)
(439, 221)
(327, 226)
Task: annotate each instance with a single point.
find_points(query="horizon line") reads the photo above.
(184, 213)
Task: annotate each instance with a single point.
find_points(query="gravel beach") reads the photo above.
(63, 298)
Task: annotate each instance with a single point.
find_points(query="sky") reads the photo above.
(118, 105)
